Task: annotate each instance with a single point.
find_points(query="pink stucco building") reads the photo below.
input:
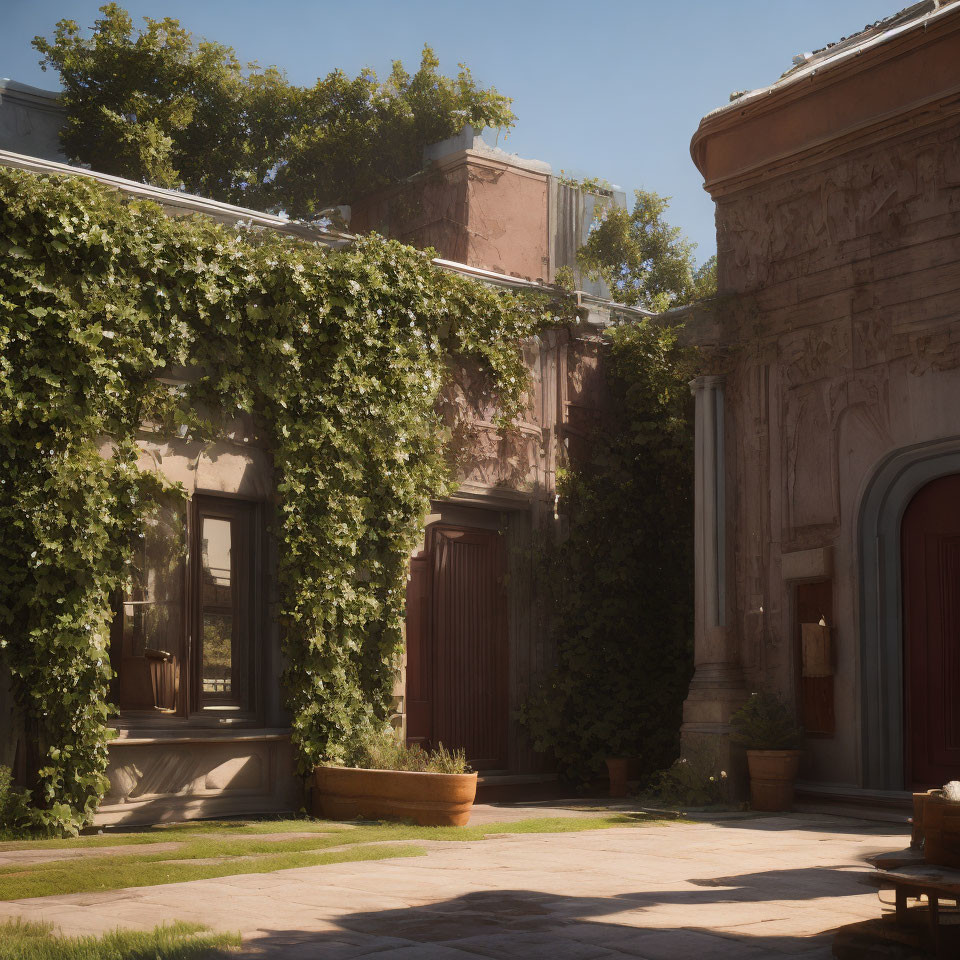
(828, 413)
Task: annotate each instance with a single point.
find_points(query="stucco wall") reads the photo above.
(472, 208)
(30, 121)
(841, 344)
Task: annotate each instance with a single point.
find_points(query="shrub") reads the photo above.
(693, 780)
(765, 722)
(386, 750)
(15, 814)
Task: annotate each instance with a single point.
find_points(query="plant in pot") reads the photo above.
(621, 756)
(620, 770)
(771, 735)
(386, 779)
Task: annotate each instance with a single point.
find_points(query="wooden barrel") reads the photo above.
(941, 831)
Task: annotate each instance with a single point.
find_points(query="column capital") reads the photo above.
(707, 382)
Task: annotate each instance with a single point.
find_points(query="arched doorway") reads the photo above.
(930, 552)
(883, 678)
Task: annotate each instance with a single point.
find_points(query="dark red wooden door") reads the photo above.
(930, 542)
(457, 666)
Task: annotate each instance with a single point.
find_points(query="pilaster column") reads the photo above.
(717, 686)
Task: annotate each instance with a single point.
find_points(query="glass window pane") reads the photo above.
(215, 548)
(218, 628)
(223, 584)
(218, 643)
(152, 614)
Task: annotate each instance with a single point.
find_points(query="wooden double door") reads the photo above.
(457, 654)
(930, 545)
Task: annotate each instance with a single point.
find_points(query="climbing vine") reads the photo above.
(618, 587)
(339, 355)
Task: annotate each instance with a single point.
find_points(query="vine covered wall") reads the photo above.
(619, 587)
(340, 355)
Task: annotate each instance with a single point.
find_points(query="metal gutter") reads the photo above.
(186, 202)
(491, 276)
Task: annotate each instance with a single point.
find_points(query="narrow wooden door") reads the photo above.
(457, 668)
(930, 543)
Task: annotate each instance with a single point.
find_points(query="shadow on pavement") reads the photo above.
(528, 925)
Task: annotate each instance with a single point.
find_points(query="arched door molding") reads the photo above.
(891, 488)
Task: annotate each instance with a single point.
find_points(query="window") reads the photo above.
(224, 666)
(185, 638)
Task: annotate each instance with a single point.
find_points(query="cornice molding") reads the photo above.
(868, 96)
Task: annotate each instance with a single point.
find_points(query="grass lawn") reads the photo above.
(227, 848)
(176, 941)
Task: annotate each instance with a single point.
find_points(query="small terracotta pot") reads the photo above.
(941, 831)
(429, 799)
(620, 770)
(772, 775)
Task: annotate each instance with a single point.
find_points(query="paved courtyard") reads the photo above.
(747, 887)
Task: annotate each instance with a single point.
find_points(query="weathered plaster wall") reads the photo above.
(472, 208)
(429, 210)
(841, 345)
(507, 219)
(30, 120)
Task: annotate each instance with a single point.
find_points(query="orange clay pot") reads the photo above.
(620, 770)
(772, 775)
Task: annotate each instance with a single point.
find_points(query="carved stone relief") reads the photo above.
(818, 219)
(812, 353)
(562, 407)
(809, 416)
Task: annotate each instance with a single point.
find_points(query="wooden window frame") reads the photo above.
(244, 517)
(192, 708)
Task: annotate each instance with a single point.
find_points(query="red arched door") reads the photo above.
(930, 545)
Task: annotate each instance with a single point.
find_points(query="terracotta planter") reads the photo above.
(428, 799)
(772, 775)
(620, 770)
(941, 831)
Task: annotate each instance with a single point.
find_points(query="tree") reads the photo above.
(645, 261)
(158, 106)
(355, 136)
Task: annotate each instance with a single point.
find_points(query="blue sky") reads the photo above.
(607, 88)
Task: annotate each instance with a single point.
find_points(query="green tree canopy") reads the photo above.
(645, 261)
(156, 105)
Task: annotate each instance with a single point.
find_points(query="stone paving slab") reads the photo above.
(713, 890)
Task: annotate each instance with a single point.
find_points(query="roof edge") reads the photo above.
(230, 214)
